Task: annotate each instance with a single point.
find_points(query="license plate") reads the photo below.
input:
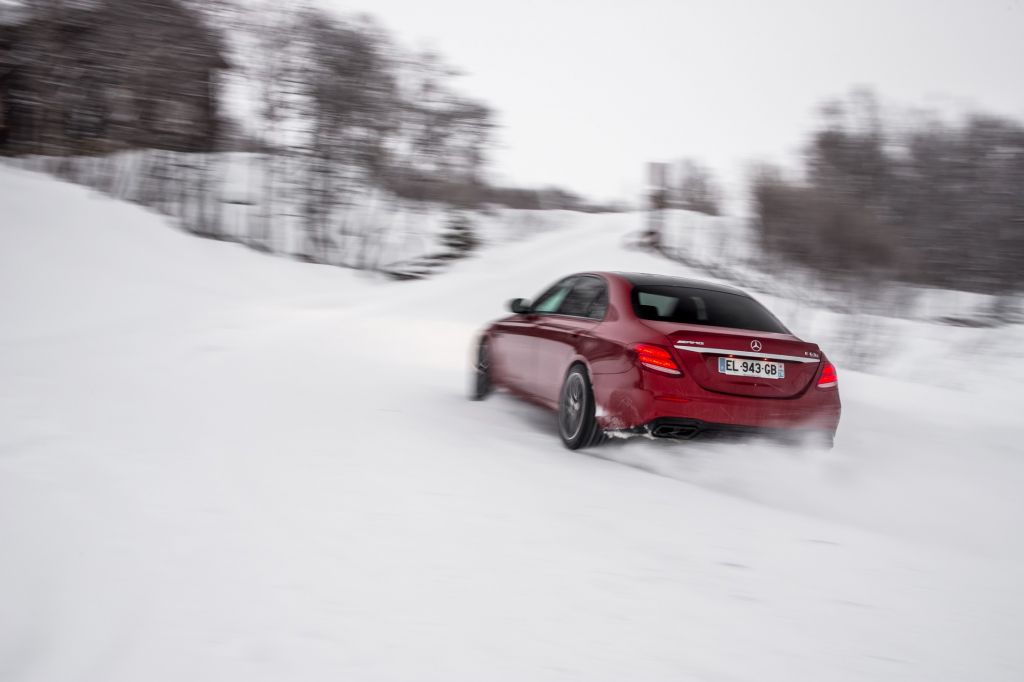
(763, 369)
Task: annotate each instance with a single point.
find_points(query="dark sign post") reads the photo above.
(657, 194)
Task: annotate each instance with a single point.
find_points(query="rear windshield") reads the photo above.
(688, 305)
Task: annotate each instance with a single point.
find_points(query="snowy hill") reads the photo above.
(219, 465)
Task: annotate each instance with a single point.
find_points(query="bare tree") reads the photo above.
(929, 203)
(696, 189)
(348, 106)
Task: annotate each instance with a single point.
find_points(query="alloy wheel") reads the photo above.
(574, 403)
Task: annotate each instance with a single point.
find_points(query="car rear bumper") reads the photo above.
(691, 429)
(630, 400)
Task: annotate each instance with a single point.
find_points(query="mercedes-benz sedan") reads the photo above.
(658, 356)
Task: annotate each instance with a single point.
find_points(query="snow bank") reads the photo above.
(227, 195)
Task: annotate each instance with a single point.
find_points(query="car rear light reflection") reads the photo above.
(656, 358)
(828, 377)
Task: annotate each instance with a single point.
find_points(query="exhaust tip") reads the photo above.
(674, 431)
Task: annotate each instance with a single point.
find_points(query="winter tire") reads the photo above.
(482, 384)
(577, 423)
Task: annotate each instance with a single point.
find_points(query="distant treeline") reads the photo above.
(920, 200)
(473, 195)
(332, 104)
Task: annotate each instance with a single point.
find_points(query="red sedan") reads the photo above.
(658, 356)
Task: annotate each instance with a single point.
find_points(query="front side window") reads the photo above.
(687, 305)
(551, 300)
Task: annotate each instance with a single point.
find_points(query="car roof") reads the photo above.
(648, 279)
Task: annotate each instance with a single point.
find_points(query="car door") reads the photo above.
(509, 352)
(517, 337)
(561, 333)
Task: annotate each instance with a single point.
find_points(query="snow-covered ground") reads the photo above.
(218, 465)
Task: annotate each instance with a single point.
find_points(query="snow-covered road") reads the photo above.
(216, 465)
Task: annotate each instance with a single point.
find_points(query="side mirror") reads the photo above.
(520, 306)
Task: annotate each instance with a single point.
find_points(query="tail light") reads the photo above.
(656, 358)
(828, 377)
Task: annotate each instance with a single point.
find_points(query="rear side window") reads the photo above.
(588, 298)
(687, 305)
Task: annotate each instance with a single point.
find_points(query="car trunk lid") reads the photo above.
(698, 349)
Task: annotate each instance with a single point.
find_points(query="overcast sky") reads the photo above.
(587, 92)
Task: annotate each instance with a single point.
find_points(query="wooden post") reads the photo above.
(657, 194)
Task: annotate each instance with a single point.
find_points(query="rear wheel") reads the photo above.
(482, 384)
(577, 423)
